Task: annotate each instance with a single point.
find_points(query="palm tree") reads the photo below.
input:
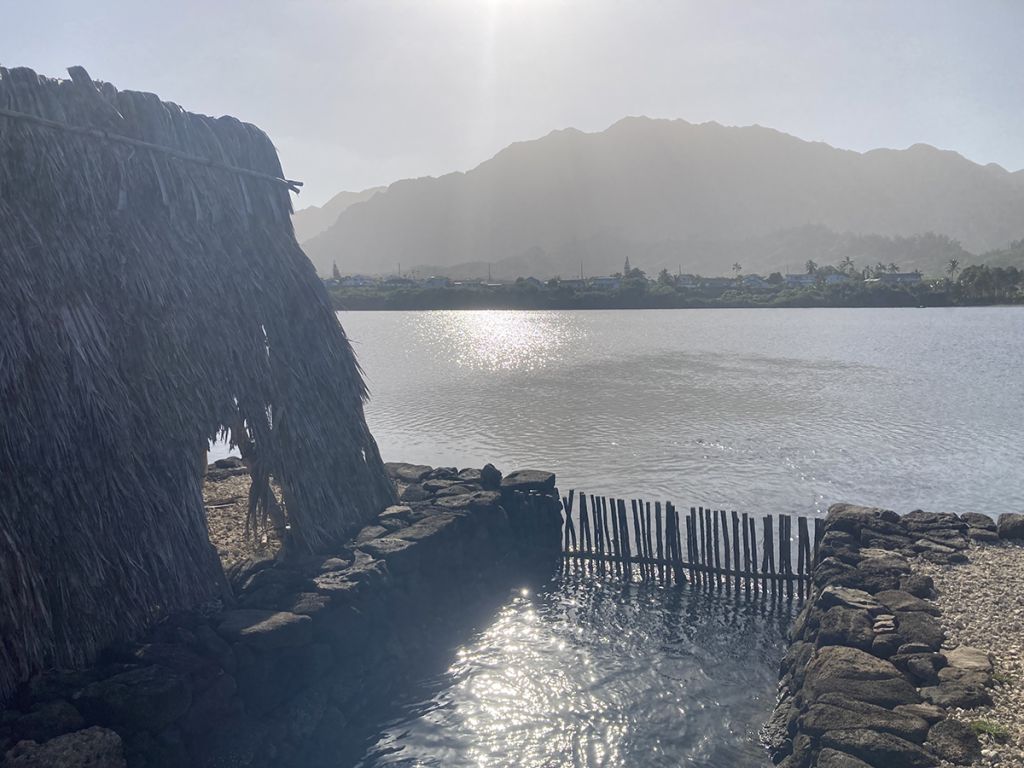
(893, 268)
(811, 267)
(952, 268)
(846, 265)
(737, 268)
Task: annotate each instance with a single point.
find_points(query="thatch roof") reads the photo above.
(148, 296)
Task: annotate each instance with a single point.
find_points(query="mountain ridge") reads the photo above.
(677, 195)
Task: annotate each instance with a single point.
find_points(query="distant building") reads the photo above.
(357, 281)
(801, 281)
(754, 281)
(718, 282)
(896, 278)
(835, 278)
(575, 284)
(604, 283)
(397, 282)
(687, 281)
(435, 281)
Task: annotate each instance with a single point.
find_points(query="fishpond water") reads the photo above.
(760, 411)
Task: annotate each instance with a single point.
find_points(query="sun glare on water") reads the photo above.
(495, 340)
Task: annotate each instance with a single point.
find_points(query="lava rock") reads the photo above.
(918, 627)
(983, 535)
(857, 675)
(918, 585)
(968, 658)
(143, 699)
(848, 598)
(47, 720)
(834, 711)
(1010, 526)
(89, 748)
(927, 712)
(266, 629)
(952, 694)
(898, 600)
(831, 758)
(879, 749)
(846, 626)
(407, 473)
(490, 477)
(978, 520)
(371, 532)
(528, 480)
(954, 742)
(415, 492)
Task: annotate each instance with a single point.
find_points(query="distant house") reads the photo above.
(835, 278)
(754, 281)
(357, 281)
(718, 282)
(687, 281)
(575, 284)
(801, 281)
(896, 278)
(604, 283)
(398, 282)
(435, 281)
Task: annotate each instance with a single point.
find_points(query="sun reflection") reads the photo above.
(496, 340)
(539, 687)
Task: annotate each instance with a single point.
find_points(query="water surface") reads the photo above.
(585, 674)
(760, 410)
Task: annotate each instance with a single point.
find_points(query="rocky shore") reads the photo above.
(876, 673)
(982, 603)
(308, 649)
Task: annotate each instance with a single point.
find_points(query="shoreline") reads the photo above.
(909, 644)
(385, 306)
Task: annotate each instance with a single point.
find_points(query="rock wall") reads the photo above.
(312, 650)
(868, 677)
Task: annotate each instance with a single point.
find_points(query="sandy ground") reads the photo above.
(983, 606)
(227, 504)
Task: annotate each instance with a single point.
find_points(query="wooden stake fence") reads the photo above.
(708, 548)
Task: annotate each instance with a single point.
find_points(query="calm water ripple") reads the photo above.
(757, 410)
(754, 410)
(590, 674)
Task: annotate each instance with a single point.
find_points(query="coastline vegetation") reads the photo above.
(841, 286)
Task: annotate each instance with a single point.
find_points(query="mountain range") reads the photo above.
(687, 197)
(310, 222)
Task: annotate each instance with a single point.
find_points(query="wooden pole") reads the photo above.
(657, 528)
(626, 548)
(753, 553)
(725, 548)
(736, 548)
(746, 557)
(769, 553)
(638, 537)
(718, 560)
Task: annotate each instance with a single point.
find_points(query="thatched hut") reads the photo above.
(152, 295)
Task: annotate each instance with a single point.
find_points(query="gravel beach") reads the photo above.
(982, 605)
(226, 497)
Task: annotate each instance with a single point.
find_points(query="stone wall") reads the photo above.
(295, 673)
(868, 677)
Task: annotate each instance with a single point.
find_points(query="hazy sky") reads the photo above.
(357, 93)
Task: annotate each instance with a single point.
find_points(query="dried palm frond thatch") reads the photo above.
(152, 294)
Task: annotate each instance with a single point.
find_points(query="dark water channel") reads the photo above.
(584, 673)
